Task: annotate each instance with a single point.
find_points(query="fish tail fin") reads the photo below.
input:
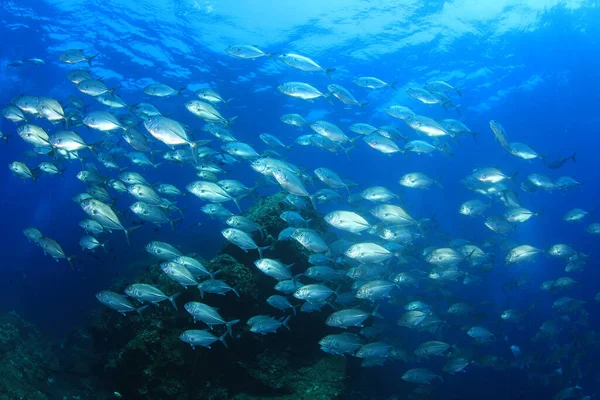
(229, 121)
(174, 222)
(236, 201)
(89, 59)
(328, 71)
(459, 91)
(285, 323)
(328, 97)
(217, 272)
(69, 260)
(574, 157)
(103, 245)
(111, 91)
(513, 176)
(222, 339)
(128, 233)
(475, 136)
(139, 310)
(294, 309)
(260, 250)
(393, 85)
(5, 137)
(193, 148)
(336, 292)
(180, 91)
(312, 201)
(539, 213)
(172, 300)
(469, 257)
(230, 324)
(346, 151)
(375, 312)
(363, 104)
(437, 181)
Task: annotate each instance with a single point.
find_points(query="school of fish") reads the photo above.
(387, 271)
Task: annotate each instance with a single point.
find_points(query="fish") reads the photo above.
(211, 96)
(289, 181)
(303, 63)
(211, 192)
(560, 161)
(91, 243)
(344, 95)
(348, 221)
(500, 135)
(473, 208)
(481, 334)
(427, 126)
(525, 152)
(242, 240)
(310, 240)
(296, 120)
(102, 121)
(302, 91)
(157, 214)
(418, 180)
(382, 144)
(340, 344)
(399, 112)
(375, 290)
(314, 293)
(105, 216)
(431, 348)
(491, 175)
(22, 171)
(177, 272)
(263, 324)
(74, 56)
(420, 376)
(247, 52)
(118, 302)
(161, 90)
(34, 235)
(208, 315)
(519, 214)
(147, 293)
(281, 303)
(171, 132)
(370, 82)
(196, 337)
(441, 86)
(523, 253)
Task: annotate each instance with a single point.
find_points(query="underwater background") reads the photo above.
(533, 66)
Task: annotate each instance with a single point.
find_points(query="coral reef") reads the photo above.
(32, 369)
(146, 360)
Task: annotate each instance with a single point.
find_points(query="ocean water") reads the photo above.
(533, 66)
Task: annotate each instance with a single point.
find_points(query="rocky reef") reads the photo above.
(144, 358)
(33, 369)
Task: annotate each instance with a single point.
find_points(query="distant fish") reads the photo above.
(74, 56)
(370, 82)
(559, 162)
(247, 52)
(303, 63)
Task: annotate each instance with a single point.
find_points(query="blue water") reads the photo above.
(533, 66)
